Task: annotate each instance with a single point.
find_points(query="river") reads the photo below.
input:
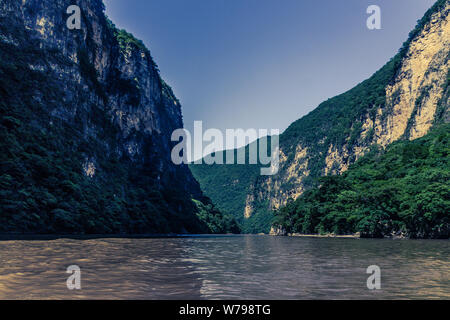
(225, 267)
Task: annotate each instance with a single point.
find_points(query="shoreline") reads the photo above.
(346, 236)
(353, 236)
(48, 237)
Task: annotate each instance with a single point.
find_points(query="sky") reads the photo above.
(263, 64)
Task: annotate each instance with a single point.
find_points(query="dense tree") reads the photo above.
(403, 189)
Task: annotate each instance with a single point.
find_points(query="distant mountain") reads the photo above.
(85, 130)
(402, 101)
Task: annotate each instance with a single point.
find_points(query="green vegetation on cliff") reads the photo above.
(401, 190)
(47, 139)
(228, 186)
(336, 122)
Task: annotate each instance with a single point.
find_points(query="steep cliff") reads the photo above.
(85, 129)
(402, 190)
(403, 100)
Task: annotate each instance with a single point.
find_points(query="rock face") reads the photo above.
(98, 94)
(412, 97)
(403, 100)
(419, 85)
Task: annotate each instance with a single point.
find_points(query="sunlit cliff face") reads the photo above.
(412, 100)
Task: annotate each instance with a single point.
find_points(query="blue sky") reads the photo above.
(263, 63)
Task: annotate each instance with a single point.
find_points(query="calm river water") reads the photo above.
(225, 267)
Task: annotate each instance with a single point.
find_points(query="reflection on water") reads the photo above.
(228, 267)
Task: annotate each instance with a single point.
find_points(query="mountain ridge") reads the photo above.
(85, 130)
(402, 100)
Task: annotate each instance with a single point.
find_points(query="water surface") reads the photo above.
(225, 267)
